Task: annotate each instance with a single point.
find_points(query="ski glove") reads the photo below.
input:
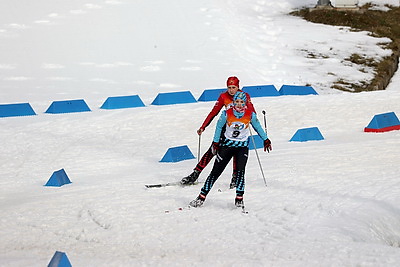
(267, 145)
(214, 148)
(200, 131)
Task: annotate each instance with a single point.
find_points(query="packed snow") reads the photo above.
(327, 203)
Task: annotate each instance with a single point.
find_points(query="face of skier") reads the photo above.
(239, 105)
(232, 89)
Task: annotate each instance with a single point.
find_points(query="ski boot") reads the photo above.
(198, 201)
(191, 178)
(239, 202)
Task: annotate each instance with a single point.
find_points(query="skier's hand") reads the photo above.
(214, 148)
(267, 145)
(200, 131)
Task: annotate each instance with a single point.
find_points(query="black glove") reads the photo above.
(267, 145)
(214, 148)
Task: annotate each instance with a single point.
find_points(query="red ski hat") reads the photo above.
(232, 81)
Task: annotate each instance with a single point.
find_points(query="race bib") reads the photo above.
(237, 131)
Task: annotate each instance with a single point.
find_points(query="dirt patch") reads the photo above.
(380, 24)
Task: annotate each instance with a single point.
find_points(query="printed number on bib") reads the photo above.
(235, 134)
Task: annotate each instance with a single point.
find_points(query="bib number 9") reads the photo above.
(235, 134)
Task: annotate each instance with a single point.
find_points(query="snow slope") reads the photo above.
(327, 203)
(53, 50)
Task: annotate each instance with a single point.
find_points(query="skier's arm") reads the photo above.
(214, 112)
(257, 126)
(249, 104)
(218, 128)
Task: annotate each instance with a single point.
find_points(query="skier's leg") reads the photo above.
(205, 159)
(203, 162)
(234, 174)
(223, 157)
(241, 161)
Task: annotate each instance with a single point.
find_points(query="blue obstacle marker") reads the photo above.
(261, 90)
(307, 134)
(179, 153)
(257, 139)
(13, 110)
(174, 98)
(59, 259)
(297, 90)
(68, 106)
(211, 94)
(383, 123)
(118, 102)
(58, 178)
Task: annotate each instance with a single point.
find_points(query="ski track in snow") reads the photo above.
(316, 197)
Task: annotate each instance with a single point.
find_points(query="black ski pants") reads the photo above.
(223, 157)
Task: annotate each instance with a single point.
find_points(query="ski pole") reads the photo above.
(258, 158)
(198, 149)
(265, 121)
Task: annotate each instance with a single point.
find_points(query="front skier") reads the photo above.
(225, 99)
(235, 143)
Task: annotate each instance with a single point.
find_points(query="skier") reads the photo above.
(224, 100)
(234, 143)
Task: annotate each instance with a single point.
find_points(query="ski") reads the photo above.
(168, 184)
(244, 210)
(162, 185)
(178, 209)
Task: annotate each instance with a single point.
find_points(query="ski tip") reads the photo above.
(178, 209)
(178, 183)
(152, 185)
